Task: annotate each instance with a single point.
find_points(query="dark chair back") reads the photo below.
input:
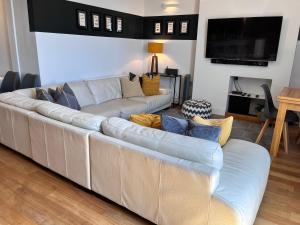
(11, 82)
(30, 81)
(269, 111)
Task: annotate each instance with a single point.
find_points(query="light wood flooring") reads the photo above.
(30, 194)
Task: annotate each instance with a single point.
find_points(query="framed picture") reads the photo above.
(81, 19)
(184, 27)
(119, 25)
(108, 23)
(95, 21)
(170, 27)
(157, 28)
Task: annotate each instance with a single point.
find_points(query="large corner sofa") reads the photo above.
(166, 178)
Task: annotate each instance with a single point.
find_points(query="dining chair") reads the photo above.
(269, 116)
(30, 81)
(11, 82)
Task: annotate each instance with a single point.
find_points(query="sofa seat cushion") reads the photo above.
(20, 101)
(104, 90)
(71, 116)
(197, 150)
(155, 102)
(116, 108)
(243, 179)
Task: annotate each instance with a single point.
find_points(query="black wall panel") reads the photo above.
(59, 16)
(191, 35)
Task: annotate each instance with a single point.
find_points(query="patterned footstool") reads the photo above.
(191, 108)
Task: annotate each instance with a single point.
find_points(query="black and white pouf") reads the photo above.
(191, 108)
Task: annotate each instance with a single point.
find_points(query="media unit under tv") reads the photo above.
(251, 41)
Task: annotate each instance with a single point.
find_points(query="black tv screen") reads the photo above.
(253, 38)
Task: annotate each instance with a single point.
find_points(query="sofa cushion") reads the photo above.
(71, 116)
(243, 180)
(82, 93)
(29, 92)
(155, 102)
(183, 147)
(21, 101)
(116, 108)
(104, 90)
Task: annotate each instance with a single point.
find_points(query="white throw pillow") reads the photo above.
(131, 88)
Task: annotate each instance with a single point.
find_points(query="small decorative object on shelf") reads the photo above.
(108, 23)
(191, 108)
(119, 25)
(184, 27)
(81, 19)
(95, 21)
(170, 27)
(157, 28)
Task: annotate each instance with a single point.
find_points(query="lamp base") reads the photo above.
(154, 65)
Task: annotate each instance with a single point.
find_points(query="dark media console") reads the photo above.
(240, 62)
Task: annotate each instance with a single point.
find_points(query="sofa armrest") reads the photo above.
(164, 91)
(132, 176)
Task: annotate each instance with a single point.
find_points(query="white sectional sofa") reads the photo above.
(166, 178)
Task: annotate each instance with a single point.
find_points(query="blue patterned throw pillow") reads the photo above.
(210, 133)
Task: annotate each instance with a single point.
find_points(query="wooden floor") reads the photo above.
(30, 194)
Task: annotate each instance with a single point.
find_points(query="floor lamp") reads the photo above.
(155, 48)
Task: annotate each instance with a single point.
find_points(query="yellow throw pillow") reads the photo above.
(146, 120)
(151, 85)
(225, 124)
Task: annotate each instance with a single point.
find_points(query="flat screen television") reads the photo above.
(252, 38)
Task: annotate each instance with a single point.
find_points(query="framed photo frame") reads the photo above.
(81, 16)
(157, 29)
(184, 26)
(108, 23)
(170, 27)
(96, 21)
(119, 25)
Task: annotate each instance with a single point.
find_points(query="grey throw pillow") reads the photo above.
(71, 96)
(42, 94)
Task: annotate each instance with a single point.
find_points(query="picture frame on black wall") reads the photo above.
(184, 26)
(95, 21)
(157, 27)
(108, 23)
(170, 27)
(81, 19)
(119, 24)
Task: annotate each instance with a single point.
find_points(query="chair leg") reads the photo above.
(262, 131)
(286, 137)
(298, 139)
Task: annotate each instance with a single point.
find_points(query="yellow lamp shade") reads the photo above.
(154, 47)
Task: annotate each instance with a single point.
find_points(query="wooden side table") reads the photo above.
(289, 99)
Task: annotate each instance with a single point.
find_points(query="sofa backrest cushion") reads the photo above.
(71, 116)
(21, 101)
(30, 92)
(82, 93)
(183, 147)
(104, 90)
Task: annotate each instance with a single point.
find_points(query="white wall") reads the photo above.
(5, 60)
(64, 57)
(211, 81)
(295, 78)
(21, 41)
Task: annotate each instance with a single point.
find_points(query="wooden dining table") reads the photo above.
(289, 99)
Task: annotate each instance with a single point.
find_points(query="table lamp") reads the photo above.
(155, 48)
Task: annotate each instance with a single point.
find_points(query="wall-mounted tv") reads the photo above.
(252, 38)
